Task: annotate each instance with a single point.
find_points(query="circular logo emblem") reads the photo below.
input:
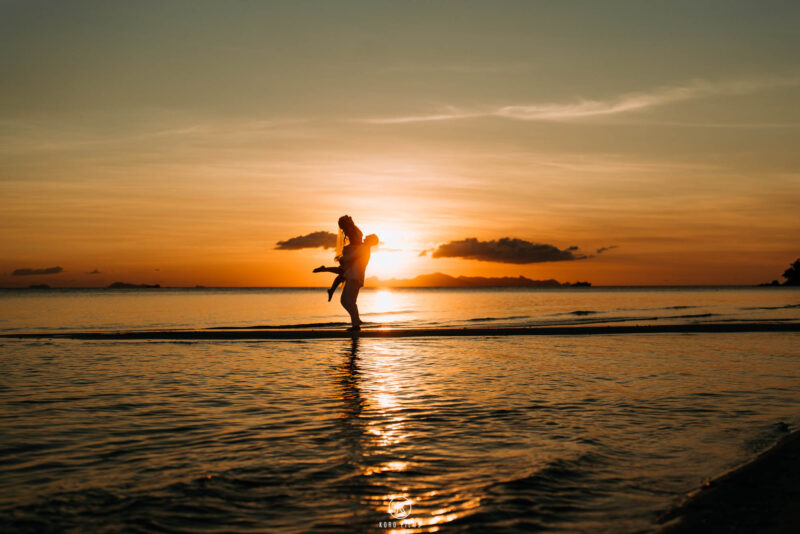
(399, 507)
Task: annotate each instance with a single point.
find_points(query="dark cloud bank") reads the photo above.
(312, 240)
(503, 250)
(28, 271)
(506, 250)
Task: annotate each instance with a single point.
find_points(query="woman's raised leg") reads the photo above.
(323, 269)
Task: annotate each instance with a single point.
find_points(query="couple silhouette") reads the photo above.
(352, 254)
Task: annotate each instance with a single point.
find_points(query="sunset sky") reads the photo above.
(178, 142)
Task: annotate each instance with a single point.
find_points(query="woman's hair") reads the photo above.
(345, 222)
(354, 235)
(339, 244)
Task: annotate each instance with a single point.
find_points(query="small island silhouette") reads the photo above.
(125, 285)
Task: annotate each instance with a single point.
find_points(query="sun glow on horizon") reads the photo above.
(396, 255)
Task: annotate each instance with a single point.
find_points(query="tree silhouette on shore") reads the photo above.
(792, 274)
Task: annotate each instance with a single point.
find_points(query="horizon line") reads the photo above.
(593, 286)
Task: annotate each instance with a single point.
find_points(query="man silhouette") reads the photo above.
(354, 280)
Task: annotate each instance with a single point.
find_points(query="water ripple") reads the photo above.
(589, 434)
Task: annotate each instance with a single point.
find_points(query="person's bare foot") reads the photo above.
(330, 294)
(319, 269)
(354, 328)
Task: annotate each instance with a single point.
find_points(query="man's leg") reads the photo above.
(349, 297)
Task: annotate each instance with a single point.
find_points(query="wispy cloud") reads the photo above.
(444, 114)
(606, 249)
(27, 271)
(582, 109)
(28, 136)
(471, 67)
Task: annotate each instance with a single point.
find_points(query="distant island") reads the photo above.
(124, 285)
(445, 280)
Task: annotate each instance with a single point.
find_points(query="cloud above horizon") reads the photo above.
(29, 271)
(505, 250)
(312, 240)
(605, 249)
(624, 103)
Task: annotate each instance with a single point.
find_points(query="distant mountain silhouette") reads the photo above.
(124, 285)
(445, 280)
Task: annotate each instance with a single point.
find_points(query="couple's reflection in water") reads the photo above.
(353, 428)
(383, 449)
(351, 434)
(370, 428)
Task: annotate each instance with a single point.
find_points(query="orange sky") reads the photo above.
(160, 144)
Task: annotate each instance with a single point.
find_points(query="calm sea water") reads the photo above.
(102, 309)
(592, 433)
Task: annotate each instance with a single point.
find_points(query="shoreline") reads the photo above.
(289, 334)
(759, 496)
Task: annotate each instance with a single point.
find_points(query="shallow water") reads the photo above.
(101, 309)
(596, 433)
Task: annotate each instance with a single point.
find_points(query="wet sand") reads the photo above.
(761, 496)
(266, 332)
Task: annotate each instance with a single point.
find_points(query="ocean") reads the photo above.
(595, 433)
(136, 309)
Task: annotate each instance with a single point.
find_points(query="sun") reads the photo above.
(396, 254)
(389, 264)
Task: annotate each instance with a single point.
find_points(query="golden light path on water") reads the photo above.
(388, 393)
(383, 306)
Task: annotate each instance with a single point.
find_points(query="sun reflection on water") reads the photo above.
(385, 306)
(376, 394)
(384, 301)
